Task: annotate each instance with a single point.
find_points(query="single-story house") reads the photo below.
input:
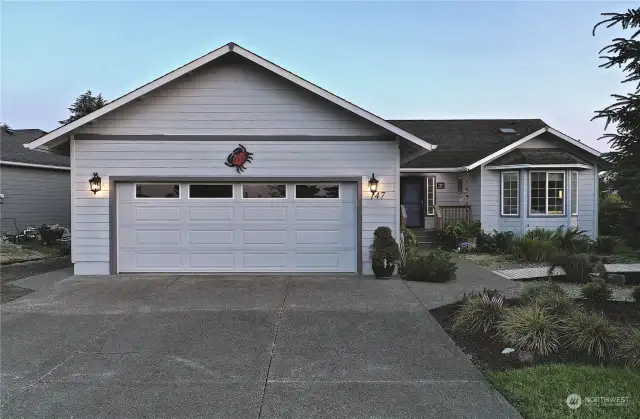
(231, 163)
(35, 187)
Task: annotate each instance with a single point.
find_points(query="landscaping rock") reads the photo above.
(508, 350)
(525, 357)
(616, 279)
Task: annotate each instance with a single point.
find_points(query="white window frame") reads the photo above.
(574, 198)
(502, 213)
(286, 191)
(295, 191)
(431, 186)
(233, 192)
(546, 199)
(135, 190)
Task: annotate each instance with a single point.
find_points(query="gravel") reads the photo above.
(572, 290)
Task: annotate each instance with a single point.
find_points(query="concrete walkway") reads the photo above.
(235, 347)
(38, 282)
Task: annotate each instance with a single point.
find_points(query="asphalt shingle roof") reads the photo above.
(464, 141)
(537, 156)
(12, 149)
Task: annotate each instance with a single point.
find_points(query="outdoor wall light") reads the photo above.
(373, 185)
(95, 183)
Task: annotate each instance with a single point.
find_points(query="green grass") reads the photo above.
(541, 392)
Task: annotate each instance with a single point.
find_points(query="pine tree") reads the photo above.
(624, 157)
(84, 105)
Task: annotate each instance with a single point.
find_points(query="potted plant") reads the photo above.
(384, 253)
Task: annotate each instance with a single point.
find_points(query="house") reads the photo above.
(35, 187)
(231, 163)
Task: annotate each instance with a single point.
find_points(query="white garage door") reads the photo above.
(252, 227)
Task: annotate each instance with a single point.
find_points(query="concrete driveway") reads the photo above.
(234, 347)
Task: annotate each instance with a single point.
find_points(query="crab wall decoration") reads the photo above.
(238, 157)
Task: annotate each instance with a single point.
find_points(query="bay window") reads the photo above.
(547, 192)
(510, 193)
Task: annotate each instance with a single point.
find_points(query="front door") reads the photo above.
(412, 197)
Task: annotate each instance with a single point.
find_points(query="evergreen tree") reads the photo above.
(84, 105)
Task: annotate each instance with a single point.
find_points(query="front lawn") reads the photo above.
(496, 261)
(14, 253)
(541, 392)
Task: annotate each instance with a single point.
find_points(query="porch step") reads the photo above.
(427, 239)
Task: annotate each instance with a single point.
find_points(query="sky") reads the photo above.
(417, 60)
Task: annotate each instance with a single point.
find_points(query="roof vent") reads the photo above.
(508, 131)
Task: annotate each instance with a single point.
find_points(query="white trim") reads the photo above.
(33, 165)
(193, 65)
(228, 198)
(295, 191)
(426, 195)
(482, 198)
(596, 199)
(546, 195)
(517, 214)
(523, 140)
(434, 170)
(539, 166)
(164, 198)
(72, 180)
(574, 198)
(285, 197)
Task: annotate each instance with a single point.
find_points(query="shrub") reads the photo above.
(532, 250)
(408, 249)
(504, 241)
(533, 290)
(540, 234)
(606, 244)
(480, 312)
(573, 240)
(592, 333)
(531, 328)
(460, 231)
(556, 304)
(485, 243)
(629, 347)
(599, 291)
(50, 234)
(384, 246)
(636, 294)
(437, 266)
(576, 266)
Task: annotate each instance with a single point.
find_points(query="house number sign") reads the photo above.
(440, 185)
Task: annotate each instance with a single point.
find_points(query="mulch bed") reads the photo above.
(485, 350)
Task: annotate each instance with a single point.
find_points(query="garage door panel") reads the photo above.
(222, 213)
(264, 213)
(238, 235)
(200, 237)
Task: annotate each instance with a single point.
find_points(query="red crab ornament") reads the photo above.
(238, 157)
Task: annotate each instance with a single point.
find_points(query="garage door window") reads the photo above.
(157, 190)
(264, 190)
(318, 190)
(211, 191)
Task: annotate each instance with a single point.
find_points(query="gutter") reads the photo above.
(34, 166)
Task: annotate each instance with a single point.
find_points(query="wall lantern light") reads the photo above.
(95, 183)
(373, 185)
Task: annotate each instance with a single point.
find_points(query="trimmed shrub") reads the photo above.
(592, 333)
(436, 266)
(629, 347)
(540, 234)
(534, 290)
(531, 328)
(636, 294)
(384, 246)
(606, 244)
(479, 312)
(532, 250)
(576, 266)
(596, 291)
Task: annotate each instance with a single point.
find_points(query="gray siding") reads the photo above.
(34, 197)
(490, 199)
(159, 156)
(232, 99)
(474, 194)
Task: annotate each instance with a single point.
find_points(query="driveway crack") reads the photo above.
(273, 345)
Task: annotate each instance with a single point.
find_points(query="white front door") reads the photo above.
(269, 227)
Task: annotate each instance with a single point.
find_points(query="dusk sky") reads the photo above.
(428, 60)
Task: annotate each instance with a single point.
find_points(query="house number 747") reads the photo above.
(377, 195)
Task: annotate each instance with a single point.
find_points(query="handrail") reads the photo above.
(449, 214)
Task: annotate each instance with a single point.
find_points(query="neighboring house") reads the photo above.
(34, 185)
(172, 200)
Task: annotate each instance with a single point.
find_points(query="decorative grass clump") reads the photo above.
(479, 312)
(556, 304)
(533, 290)
(591, 333)
(598, 291)
(629, 347)
(531, 328)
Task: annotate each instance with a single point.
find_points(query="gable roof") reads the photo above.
(535, 156)
(12, 149)
(466, 144)
(230, 48)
